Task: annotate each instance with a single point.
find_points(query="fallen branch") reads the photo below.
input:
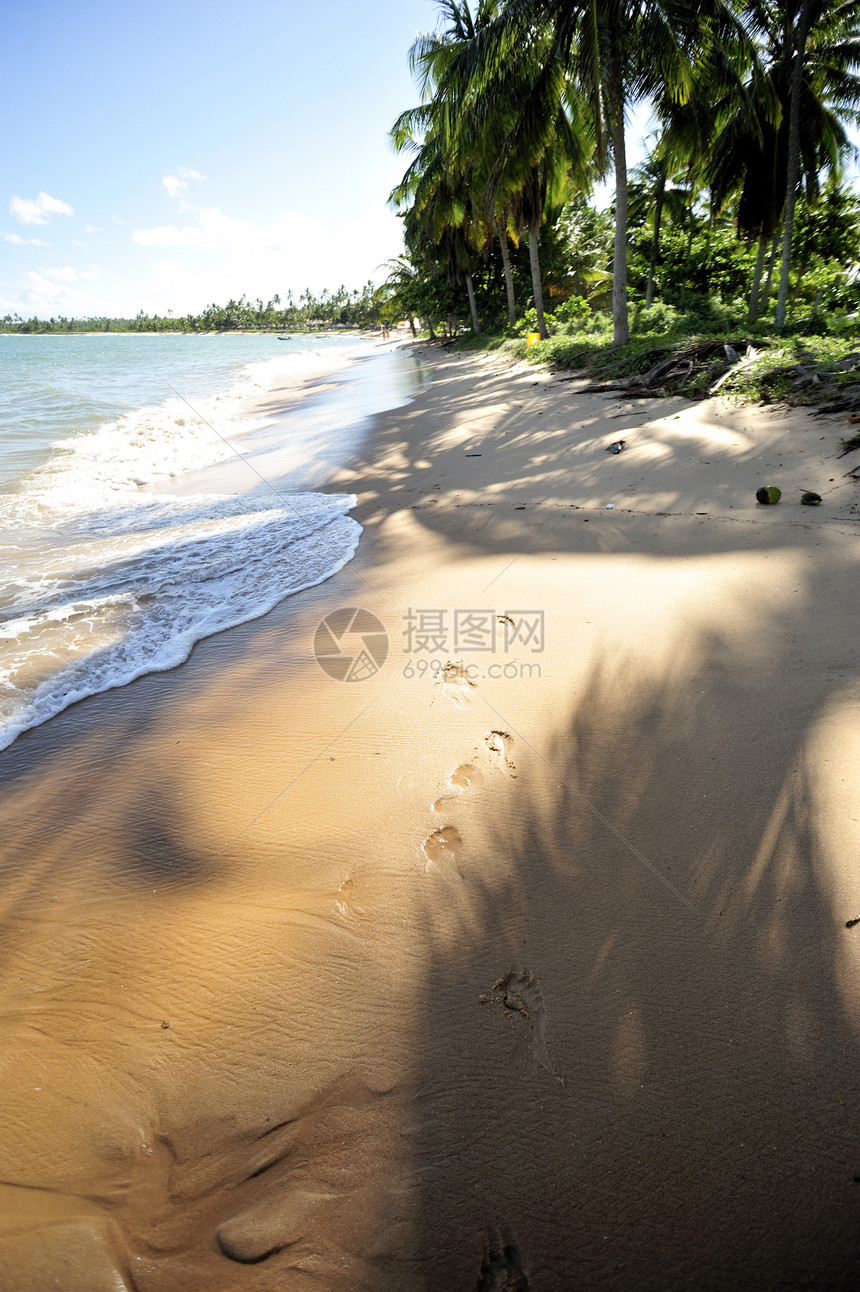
(749, 358)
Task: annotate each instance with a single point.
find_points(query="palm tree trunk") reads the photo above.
(801, 274)
(534, 261)
(691, 233)
(655, 243)
(476, 327)
(615, 104)
(509, 277)
(793, 156)
(765, 300)
(712, 215)
(752, 312)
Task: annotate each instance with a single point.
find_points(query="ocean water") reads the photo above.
(116, 555)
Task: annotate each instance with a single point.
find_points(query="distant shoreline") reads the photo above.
(233, 331)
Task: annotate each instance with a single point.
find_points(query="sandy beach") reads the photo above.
(518, 962)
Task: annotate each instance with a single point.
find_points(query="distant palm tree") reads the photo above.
(650, 195)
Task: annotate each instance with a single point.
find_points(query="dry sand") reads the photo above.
(533, 979)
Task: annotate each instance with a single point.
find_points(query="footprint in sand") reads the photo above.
(441, 849)
(498, 745)
(520, 993)
(454, 683)
(502, 1267)
(461, 779)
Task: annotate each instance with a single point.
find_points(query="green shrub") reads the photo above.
(574, 310)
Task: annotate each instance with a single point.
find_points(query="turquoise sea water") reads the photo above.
(55, 386)
(116, 555)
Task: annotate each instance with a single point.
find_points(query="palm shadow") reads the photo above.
(637, 1061)
(518, 475)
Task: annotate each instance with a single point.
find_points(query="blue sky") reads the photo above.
(164, 155)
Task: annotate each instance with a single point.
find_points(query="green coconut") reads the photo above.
(810, 499)
(768, 494)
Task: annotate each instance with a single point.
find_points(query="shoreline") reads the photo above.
(173, 555)
(450, 976)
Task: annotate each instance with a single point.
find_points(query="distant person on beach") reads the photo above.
(385, 331)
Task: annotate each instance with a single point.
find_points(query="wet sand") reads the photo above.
(528, 974)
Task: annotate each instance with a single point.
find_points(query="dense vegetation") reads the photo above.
(739, 221)
(362, 309)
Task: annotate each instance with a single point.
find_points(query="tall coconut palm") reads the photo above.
(613, 53)
(821, 55)
(436, 200)
(430, 58)
(517, 164)
(782, 97)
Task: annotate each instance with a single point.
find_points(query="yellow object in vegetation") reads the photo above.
(533, 338)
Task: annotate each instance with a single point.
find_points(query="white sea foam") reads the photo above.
(101, 582)
(166, 440)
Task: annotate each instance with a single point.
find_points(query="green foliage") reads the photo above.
(529, 322)
(572, 312)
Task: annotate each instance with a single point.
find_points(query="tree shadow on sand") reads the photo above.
(636, 1065)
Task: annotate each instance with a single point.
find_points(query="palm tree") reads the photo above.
(437, 57)
(821, 54)
(612, 53)
(652, 194)
(436, 198)
(752, 157)
(516, 166)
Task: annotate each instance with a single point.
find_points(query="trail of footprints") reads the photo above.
(445, 844)
(275, 1220)
(518, 991)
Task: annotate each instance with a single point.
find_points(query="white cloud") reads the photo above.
(173, 186)
(210, 256)
(50, 291)
(93, 228)
(36, 210)
(24, 242)
(65, 275)
(214, 230)
(176, 185)
(219, 256)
